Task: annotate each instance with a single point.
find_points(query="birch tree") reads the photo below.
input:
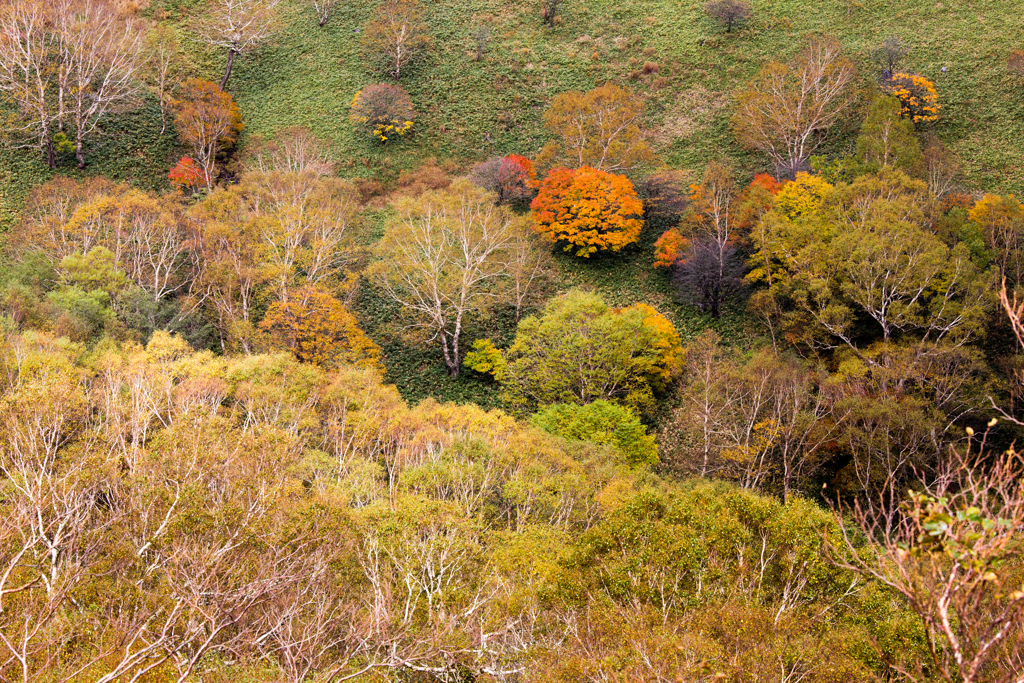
(238, 26)
(443, 258)
(785, 111)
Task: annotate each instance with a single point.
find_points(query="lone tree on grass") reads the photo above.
(889, 56)
(729, 12)
(786, 110)
(238, 26)
(396, 37)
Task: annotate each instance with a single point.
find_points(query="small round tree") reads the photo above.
(188, 174)
(728, 13)
(919, 101)
(586, 210)
(384, 111)
(511, 178)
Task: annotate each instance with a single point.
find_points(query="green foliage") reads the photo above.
(581, 350)
(888, 139)
(603, 423)
(95, 270)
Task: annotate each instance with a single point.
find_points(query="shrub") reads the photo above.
(603, 423)
(511, 178)
(728, 12)
(587, 210)
(384, 111)
(919, 101)
(188, 174)
(1015, 63)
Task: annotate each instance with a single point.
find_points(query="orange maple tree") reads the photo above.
(208, 120)
(187, 173)
(317, 328)
(587, 210)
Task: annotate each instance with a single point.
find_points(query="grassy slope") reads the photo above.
(493, 107)
(472, 110)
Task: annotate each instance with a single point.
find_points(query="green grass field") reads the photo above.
(470, 110)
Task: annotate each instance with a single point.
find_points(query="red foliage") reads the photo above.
(187, 173)
(768, 182)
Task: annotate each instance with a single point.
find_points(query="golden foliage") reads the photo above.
(919, 101)
(600, 128)
(587, 210)
(317, 328)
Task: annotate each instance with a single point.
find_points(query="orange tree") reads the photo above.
(317, 328)
(208, 120)
(919, 101)
(587, 210)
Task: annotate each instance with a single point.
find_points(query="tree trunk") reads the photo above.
(50, 160)
(227, 71)
(78, 152)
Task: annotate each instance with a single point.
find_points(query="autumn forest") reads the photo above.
(426, 341)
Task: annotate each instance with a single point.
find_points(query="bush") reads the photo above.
(587, 210)
(1015, 63)
(600, 422)
(728, 12)
(919, 101)
(511, 178)
(384, 111)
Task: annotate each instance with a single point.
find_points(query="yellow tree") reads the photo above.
(317, 328)
(600, 129)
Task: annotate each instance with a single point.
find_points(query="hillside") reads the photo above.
(552, 380)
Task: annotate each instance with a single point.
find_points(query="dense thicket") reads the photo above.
(747, 420)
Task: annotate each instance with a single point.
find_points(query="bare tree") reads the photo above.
(709, 274)
(482, 38)
(889, 54)
(323, 9)
(27, 71)
(294, 149)
(786, 110)
(528, 265)
(728, 12)
(238, 26)
(549, 10)
(943, 552)
(711, 270)
(101, 64)
(165, 67)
